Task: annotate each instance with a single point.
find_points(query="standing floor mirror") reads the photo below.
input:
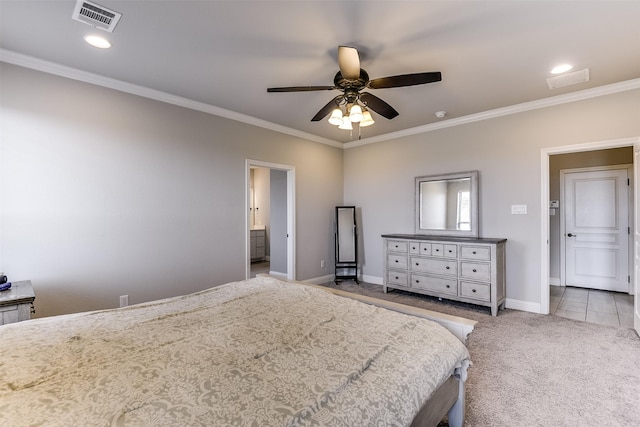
(346, 244)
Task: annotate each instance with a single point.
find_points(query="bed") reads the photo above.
(260, 352)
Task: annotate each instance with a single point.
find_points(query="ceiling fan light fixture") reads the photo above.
(346, 123)
(355, 115)
(336, 117)
(367, 120)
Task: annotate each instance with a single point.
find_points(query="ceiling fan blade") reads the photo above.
(378, 105)
(299, 88)
(349, 62)
(331, 105)
(405, 80)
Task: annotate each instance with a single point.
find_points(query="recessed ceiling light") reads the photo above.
(97, 41)
(559, 69)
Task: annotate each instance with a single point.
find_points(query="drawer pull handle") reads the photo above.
(447, 267)
(450, 251)
(473, 290)
(396, 261)
(417, 281)
(437, 250)
(397, 277)
(417, 263)
(413, 247)
(474, 252)
(475, 271)
(448, 286)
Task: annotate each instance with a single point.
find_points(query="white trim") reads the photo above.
(372, 279)
(544, 203)
(26, 61)
(15, 58)
(505, 111)
(529, 306)
(278, 275)
(291, 214)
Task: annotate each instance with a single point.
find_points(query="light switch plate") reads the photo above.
(518, 209)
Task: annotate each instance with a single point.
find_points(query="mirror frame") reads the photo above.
(474, 231)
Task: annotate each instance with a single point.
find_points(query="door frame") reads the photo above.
(563, 173)
(291, 220)
(544, 208)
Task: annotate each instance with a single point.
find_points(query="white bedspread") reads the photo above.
(256, 353)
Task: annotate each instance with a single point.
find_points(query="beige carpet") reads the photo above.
(535, 370)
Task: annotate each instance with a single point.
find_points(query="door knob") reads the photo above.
(571, 235)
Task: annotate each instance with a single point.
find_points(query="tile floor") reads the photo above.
(593, 306)
(260, 267)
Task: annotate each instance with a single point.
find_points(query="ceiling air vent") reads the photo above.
(95, 15)
(568, 79)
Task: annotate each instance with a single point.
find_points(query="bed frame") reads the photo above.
(449, 398)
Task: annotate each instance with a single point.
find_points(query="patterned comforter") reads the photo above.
(259, 352)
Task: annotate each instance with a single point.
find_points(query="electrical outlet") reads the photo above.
(124, 300)
(322, 263)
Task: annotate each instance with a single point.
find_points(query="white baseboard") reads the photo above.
(554, 281)
(372, 279)
(278, 274)
(533, 307)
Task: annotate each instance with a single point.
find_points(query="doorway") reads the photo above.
(547, 214)
(270, 219)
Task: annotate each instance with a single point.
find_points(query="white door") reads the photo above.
(597, 229)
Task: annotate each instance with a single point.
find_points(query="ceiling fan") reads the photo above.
(351, 80)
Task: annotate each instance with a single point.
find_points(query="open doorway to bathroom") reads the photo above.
(270, 219)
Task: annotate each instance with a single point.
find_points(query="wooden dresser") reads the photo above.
(16, 303)
(461, 269)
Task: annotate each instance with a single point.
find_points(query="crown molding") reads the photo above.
(26, 61)
(505, 111)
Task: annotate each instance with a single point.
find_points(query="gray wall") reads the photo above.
(379, 178)
(278, 192)
(104, 193)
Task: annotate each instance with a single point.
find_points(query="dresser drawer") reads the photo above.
(397, 261)
(435, 266)
(397, 278)
(436, 284)
(397, 246)
(460, 269)
(479, 291)
(475, 252)
(475, 270)
(9, 314)
(425, 248)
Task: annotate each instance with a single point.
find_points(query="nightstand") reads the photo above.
(16, 303)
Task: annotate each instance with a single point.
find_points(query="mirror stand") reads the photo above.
(346, 262)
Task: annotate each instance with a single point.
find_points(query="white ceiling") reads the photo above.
(492, 54)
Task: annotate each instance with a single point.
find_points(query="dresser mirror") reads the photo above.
(447, 205)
